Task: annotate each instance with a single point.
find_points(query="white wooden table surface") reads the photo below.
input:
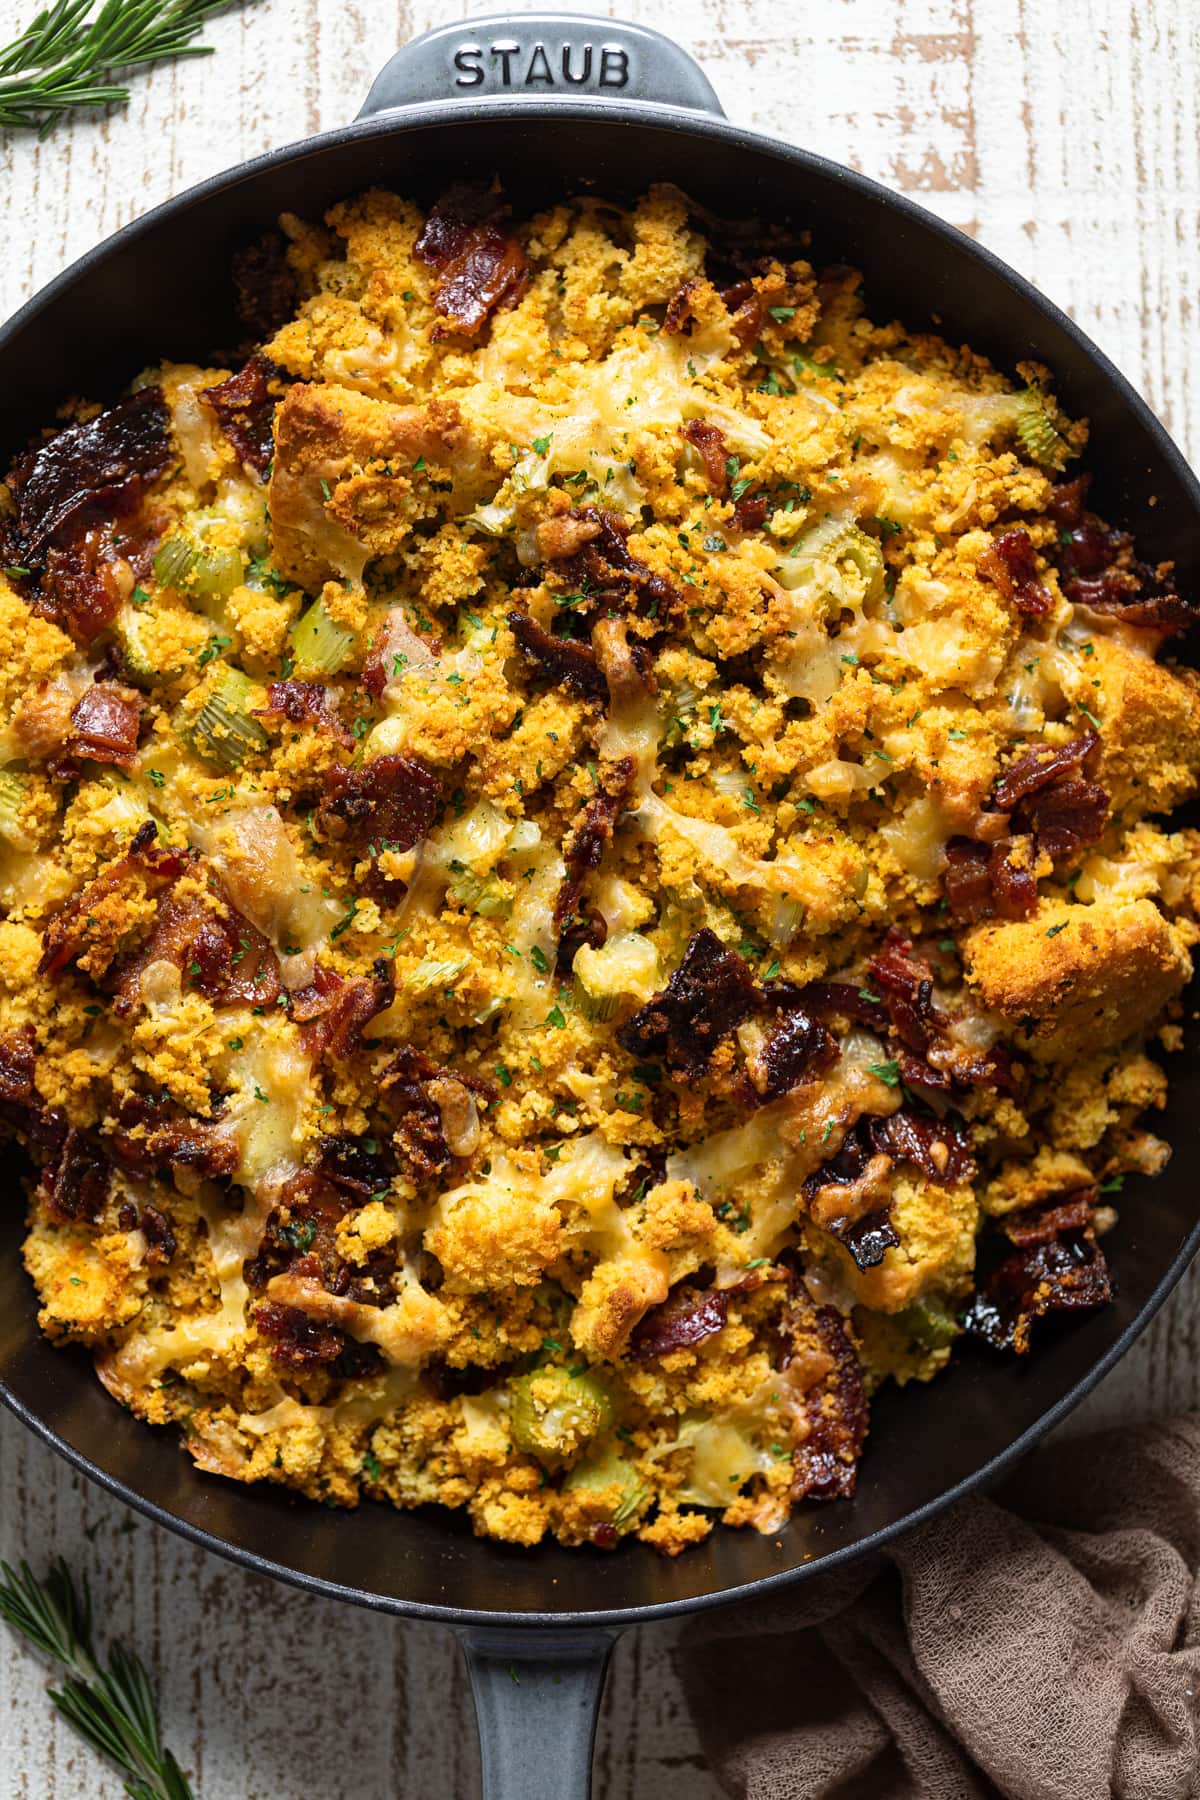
(1064, 134)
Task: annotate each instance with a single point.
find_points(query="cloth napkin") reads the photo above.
(1041, 1645)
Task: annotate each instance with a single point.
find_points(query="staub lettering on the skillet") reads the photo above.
(506, 63)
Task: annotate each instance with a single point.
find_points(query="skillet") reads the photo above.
(557, 104)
